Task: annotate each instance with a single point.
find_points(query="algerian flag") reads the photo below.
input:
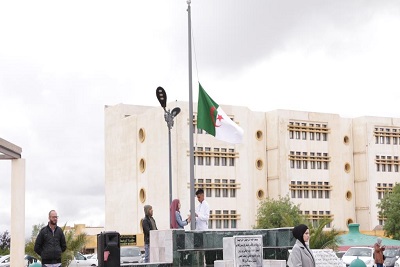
(212, 119)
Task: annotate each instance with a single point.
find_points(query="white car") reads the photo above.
(366, 254)
(80, 260)
(131, 254)
(5, 260)
(397, 263)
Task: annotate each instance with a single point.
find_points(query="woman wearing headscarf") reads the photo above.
(175, 215)
(378, 252)
(301, 254)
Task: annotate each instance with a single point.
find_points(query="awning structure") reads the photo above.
(9, 150)
(356, 239)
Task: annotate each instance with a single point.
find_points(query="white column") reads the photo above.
(17, 250)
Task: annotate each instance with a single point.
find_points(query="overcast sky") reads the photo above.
(61, 62)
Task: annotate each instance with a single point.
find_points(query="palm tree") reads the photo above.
(320, 239)
(74, 244)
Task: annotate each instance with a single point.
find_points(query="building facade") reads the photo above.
(331, 166)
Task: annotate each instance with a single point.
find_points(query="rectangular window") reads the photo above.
(208, 188)
(223, 158)
(328, 213)
(216, 156)
(293, 191)
(303, 132)
(225, 188)
(312, 158)
(324, 134)
(292, 164)
(210, 222)
(327, 190)
(208, 156)
(218, 222)
(305, 160)
(291, 134)
(325, 161)
(299, 194)
(318, 136)
(200, 158)
(226, 221)
(233, 221)
(231, 157)
(299, 191)
(320, 191)
(233, 188)
(217, 183)
(313, 191)
(297, 135)
(298, 164)
(306, 190)
(387, 136)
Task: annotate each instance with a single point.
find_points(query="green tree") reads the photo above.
(278, 213)
(389, 207)
(284, 213)
(74, 244)
(5, 241)
(322, 239)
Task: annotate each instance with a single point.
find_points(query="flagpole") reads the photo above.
(191, 127)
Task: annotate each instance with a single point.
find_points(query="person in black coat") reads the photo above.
(50, 242)
(148, 224)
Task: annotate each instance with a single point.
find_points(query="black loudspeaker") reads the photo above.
(108, 249)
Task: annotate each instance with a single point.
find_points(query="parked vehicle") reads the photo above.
(366, 254)
(80, 260)
(28, 260)
(392, 255)
(131, 254)
(5, 261)
(340, 254)
(397, 263)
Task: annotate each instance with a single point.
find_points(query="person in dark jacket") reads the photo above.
(50, 242)
(148, 224)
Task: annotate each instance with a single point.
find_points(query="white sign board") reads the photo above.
(248, 251)
(326, 258)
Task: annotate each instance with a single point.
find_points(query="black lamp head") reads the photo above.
(161, 96)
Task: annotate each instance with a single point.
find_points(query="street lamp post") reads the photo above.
(169, 118)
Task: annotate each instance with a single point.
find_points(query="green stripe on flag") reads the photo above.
(206, 112)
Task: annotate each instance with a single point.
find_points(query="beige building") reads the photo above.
(333, 167)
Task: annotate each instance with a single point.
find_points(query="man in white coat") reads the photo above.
(202, 212)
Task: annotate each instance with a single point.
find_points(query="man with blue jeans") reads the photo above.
(148, 224)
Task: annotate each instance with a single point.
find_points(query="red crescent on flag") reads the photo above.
(212, 110)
